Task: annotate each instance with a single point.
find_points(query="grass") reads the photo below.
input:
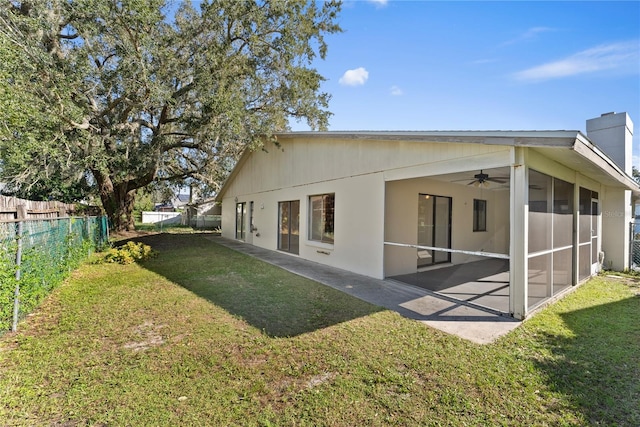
(202, 335)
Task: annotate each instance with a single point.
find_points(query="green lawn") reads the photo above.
(202, 335)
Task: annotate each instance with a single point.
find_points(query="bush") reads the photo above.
(129, 253)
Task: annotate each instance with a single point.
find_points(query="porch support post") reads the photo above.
(575, 271)
(519, 224)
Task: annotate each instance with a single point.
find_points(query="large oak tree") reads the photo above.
(121, 93)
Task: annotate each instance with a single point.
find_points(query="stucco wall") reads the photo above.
(355, 170)
(359, 206)
(303, 162)
(616, 215)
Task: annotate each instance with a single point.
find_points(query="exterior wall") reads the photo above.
(303, 162)
(613, 133)
(359, 207)
(616, 217)
(355, 170)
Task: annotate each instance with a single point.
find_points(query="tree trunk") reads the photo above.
(117, 201)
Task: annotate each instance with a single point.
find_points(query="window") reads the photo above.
(479, 215)
(321, 218)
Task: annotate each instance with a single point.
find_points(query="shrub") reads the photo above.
(129, 253)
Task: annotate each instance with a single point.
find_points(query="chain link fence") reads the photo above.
(37, 255)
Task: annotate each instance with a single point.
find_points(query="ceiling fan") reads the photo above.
(484, 179)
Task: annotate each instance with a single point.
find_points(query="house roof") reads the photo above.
(568, 147)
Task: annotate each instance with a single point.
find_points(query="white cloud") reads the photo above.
(534, 31)
(379, 3)
(614, 56)
(396, 91)
(530, 34)
(483, 61)
(355, 77)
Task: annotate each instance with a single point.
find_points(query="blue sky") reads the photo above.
(418, 65)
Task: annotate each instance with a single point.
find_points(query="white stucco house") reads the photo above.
(553, 206)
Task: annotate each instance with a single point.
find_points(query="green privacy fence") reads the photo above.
(36, 256)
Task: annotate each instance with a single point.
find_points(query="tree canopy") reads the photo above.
(115, 95)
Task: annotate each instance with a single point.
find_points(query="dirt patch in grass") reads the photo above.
(150, 335)
(631, 280)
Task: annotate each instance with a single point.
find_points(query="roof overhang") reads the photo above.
(590, 160)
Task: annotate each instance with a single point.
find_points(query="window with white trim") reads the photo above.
(321, 217)
(479, 215)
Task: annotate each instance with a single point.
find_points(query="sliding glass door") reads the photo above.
(434, 229)
(289, 226)
(241, 214)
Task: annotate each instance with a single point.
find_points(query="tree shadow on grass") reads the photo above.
(269, 298)
(599, 367)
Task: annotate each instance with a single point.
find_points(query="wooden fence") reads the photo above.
(12, 208)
